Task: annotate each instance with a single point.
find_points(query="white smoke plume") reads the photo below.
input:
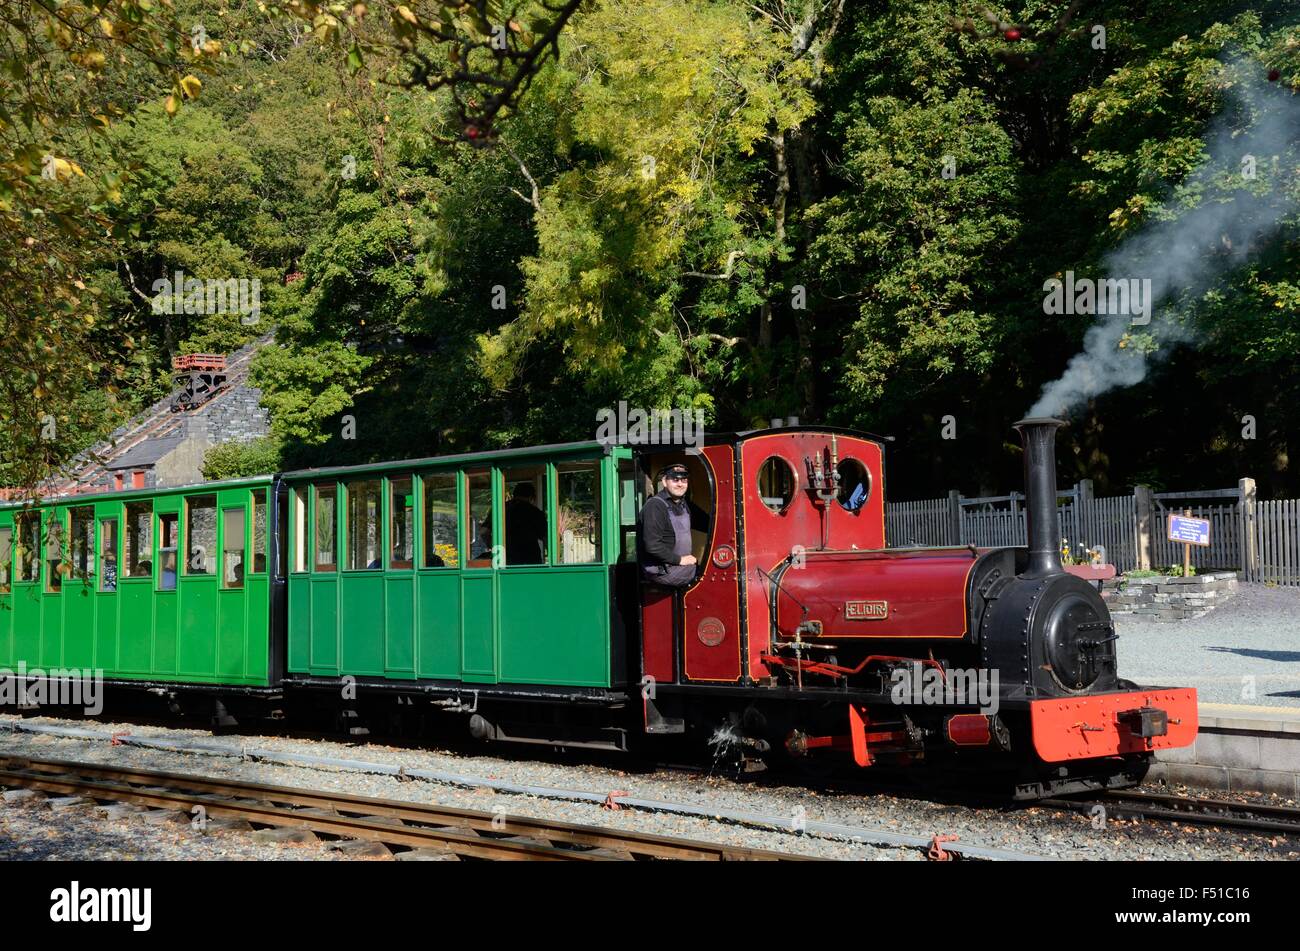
(1184, 252)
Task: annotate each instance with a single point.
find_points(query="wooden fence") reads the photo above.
(920, 523)
(1227, 529)
(1261, 540)
(1277, 542)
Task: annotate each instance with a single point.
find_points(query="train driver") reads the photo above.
(664, 536)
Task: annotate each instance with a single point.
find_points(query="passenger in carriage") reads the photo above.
(167, 580)
(664, 535)
(525, 527)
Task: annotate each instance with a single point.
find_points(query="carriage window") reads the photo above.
(478, 531)
(627, 509)
(440, 547)
(525, 516)
(232, 548)
(363, 525)
(776, 484)
(259, 532)
(325, 522)
(168, 547)
(82, 543)
(200, 534)
(6, 556)
(577, 520)
(401, 524)
(54, 554)
(282, 534)
(855, 484)
(139, 543)
(300, 529)
(108, 554)
(29, 542)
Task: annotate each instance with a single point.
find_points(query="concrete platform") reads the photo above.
(1244, 653)
(1239, 749)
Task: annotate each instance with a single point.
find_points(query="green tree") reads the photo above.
(63, 69)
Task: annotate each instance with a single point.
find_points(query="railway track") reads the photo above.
(1199, 810)
(880, 837)
(397, 824)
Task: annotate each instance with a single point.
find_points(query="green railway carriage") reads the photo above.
(156, 585)
(428, 570)
(405, 574)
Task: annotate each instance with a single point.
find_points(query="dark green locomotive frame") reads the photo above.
(313, 576)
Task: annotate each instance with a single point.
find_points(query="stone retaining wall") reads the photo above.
(1162, 598)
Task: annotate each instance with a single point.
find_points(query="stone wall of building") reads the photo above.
(184, 464)
(234, 416)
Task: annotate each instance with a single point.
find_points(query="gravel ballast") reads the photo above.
(39, 829)
(1038, 831)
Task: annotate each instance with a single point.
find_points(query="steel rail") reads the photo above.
(1223, 813)
(463, 831)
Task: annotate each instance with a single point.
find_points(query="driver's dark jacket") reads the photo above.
(656, 540)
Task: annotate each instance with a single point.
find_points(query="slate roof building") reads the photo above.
(165, 444)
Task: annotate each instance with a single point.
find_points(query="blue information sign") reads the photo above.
(1189, 531)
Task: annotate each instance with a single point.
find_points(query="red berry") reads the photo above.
(1012, 35)
(471, 132)
(1274, 75)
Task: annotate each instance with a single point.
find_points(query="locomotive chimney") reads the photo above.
(1038, 435)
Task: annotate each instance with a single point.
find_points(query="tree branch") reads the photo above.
(131, 281)
(725, 275)
(536, 201)
(729, 341)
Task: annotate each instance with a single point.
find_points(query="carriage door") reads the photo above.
(482, 527)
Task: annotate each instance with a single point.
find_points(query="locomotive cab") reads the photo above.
(702, 491)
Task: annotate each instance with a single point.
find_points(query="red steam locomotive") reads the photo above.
(804, 634)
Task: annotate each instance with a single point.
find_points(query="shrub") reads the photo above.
(235, 460)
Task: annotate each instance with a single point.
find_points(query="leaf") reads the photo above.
(170, 105)
(190, 86)
(355, 62)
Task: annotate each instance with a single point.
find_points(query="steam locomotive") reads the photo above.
(978, 657)
(387, 591)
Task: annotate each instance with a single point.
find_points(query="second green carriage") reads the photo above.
(416, 571)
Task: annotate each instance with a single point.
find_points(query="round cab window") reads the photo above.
(855, 485)
(776, 484)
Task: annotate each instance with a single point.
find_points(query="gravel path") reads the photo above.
(1040, 831)
(1245, 652)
